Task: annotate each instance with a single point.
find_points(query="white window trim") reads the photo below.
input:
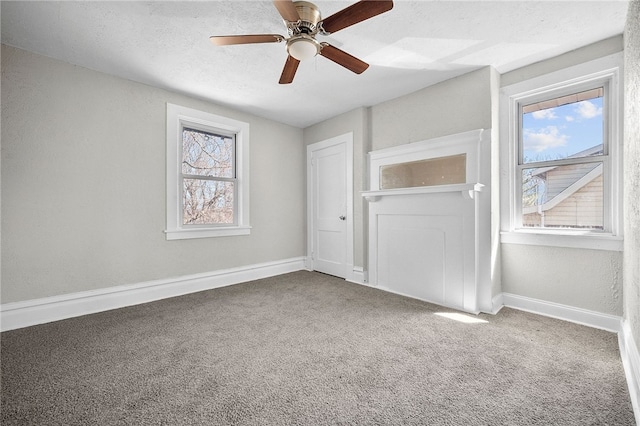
(607, 68)
(177, 116)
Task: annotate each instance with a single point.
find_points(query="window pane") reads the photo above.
(433, 171)
(207, 154)
(207, 202)
(566, 127)
(568, 196)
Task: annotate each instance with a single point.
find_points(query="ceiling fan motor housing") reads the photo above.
(302, 44)
(309, 18)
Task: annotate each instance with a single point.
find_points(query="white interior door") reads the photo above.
(330, 207)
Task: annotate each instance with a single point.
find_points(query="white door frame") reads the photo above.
(347, 140)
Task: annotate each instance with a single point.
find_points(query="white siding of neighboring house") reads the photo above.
(584, 207)
(561, 178)
(566, 206)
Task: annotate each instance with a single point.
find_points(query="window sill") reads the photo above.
(184, 234)
(557, 239)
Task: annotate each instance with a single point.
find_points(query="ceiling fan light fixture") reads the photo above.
(303, 47)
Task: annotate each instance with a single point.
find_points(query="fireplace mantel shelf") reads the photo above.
(468, 191)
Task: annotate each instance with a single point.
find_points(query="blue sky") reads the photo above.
(562, 131)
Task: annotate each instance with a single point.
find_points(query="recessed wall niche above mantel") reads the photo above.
(429, 220)
(447, 170)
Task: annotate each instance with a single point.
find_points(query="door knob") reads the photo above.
(342, 217)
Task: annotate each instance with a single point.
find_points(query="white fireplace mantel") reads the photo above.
(468, 191)
(433, 242)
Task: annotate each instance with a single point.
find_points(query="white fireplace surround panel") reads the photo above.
(433, 243)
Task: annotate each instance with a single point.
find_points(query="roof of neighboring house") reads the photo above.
(594, 150)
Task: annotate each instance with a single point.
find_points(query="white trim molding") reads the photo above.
(570, 240)
(563, 312)
(631, 362)
(497, 303)
(605, 72)
(39, 311)
(357, 275)
(178, 117)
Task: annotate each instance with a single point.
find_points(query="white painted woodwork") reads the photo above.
(177, 116)
(330, 206)
(55, 308)
(601, 72)
(631, 362)
(432, 243)
(561, 311)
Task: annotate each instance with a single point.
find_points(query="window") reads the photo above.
(560, 158)
(207, 175)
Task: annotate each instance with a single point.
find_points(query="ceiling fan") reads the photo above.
(304, 22)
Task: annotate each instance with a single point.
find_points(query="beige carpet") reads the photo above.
(309, 349)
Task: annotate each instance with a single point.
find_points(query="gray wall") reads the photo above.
(496, 248)
(584, 54)
(453, 106)
(588, 279)
(83, 184)
(632, 171)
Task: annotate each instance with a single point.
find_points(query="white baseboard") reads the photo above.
(563, 312)
(631, 362)
(357, 275)
(308, 263)
(39, 311)
(497, 303)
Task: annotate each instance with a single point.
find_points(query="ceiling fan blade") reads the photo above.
(245, 39)
(341, 57)
(289, 71)
(355, 13)
(287, 10)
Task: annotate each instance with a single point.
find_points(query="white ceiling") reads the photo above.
(416, 44)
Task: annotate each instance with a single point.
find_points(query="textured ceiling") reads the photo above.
(416, 44)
